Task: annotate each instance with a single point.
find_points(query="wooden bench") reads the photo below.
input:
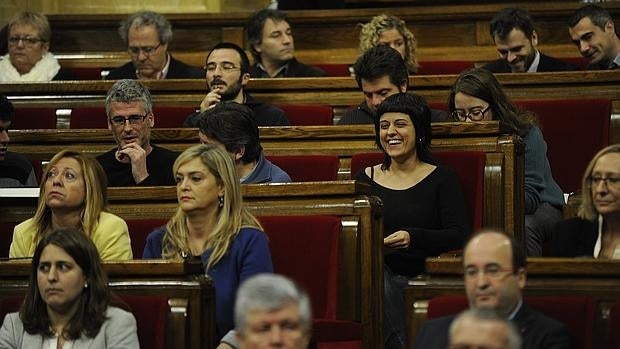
(360, 265)
(599, 279)
(191, 296)
(503, 184)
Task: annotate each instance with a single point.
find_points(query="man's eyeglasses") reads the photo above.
(610, 182)
(28, 41)
(134, 120)
(147, 50)
(492, 271)
(226, 67)
(475, 114)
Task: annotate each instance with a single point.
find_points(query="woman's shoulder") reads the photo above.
(116, 312)
(111, 218)
(248, 233)
(25, 225)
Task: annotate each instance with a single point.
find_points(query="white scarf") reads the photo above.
(45, 70)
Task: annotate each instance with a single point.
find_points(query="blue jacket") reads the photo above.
(266, 172)
(248, 255)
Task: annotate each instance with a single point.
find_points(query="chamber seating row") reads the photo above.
(339, 237)
(503, 168)
(579, 292)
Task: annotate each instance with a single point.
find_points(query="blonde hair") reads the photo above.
(587, 209)
(371, 31)
(232, 216)
(95, 197)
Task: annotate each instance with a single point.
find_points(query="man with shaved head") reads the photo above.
(494, 276)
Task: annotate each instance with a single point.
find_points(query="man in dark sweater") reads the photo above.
(512, 30)
(380, 72)
(273, 47)
(147, 35)
(135, 161)
(227, 74)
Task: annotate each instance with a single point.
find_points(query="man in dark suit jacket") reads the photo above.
(273, 47)
(146, 36)
(494, 275)
(593, 31)
(512, 30)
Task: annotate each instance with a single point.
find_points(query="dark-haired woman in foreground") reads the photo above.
(67, 304)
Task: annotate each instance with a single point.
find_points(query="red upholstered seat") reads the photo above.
(171, 117)
(34, 118)
(305, 248)
(334, 69)
(576, 312)
(443, 67)
(308, 114)
(139, 229)
(88, 73)
(6, 236)
(150, 313)
(614, 326)
(304, 168)
(468, 165)
(574, 130)
(89, 117)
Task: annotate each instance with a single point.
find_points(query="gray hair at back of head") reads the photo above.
(138, 19)
(513, 338)
(127, 91)
(268, 292)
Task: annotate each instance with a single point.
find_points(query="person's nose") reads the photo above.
(482, 279)
(275, 335)
(376, 100)
(511, 57)
(287, 39)
(127, 126)
(142, 56)
(583, 47)
(52, 275)
(4, 137)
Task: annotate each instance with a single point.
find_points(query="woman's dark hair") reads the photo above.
(420, 115)
(92, 303)
(482, 84)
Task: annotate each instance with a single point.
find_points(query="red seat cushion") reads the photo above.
(89, 117)
(139, 229)
(304, 168)
(334, 69)
(574, 131)
(308, 114)
(88, 73)
(34, 118)
(443, 67)
(150, 313)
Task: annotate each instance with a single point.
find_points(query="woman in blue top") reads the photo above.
(212, 223)
(476, 96)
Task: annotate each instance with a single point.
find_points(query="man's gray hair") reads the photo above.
(127, 91)
(513, 338)
(142, 18)
(268, 292)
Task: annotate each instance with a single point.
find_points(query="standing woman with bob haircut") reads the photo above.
(212, 224)
(73, 194)
(424, 212)
(477, 96)
(67, 304)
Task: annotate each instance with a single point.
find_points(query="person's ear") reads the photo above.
(521, 277)
(534, 38)
(245, 78)
(403, 86)
(239, 153)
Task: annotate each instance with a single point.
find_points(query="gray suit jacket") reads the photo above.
(118, 332)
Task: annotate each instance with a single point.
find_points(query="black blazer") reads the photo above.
(176, 70)
(574, 237)
(537, 331)
(295, 69)
(546, 64)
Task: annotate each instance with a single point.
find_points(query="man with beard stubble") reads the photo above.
(227, 73)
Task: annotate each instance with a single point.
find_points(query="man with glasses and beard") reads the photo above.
(135, 161)
(227, 72)
(146, 35)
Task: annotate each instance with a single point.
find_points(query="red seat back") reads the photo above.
(614, 325)
(576, 312)
(468, 165)
(89, 117)
(34, 118)
(88, 73)
(574, 130)
(305, 248)
(305, 168)
(334, 69)
(443, 67)
(139, 229)
(308, 114)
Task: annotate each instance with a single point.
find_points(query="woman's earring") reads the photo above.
(220, 200)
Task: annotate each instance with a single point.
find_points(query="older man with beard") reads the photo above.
(227, 72)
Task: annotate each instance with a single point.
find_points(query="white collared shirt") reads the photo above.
(534, 66)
